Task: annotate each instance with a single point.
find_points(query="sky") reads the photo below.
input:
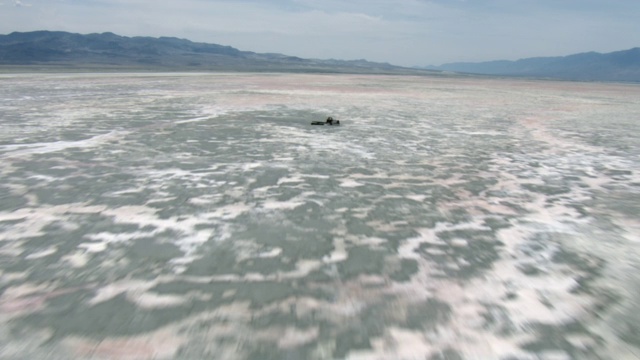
(400, 32)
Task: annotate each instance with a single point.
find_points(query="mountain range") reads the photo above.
(50, 50)
(591, 66)
(108, 51)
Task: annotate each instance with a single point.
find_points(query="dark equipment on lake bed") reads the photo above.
(329, 121)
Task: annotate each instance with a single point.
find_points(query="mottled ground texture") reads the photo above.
(192, 216)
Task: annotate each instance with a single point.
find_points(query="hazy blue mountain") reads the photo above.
(108, 50)
(592, 66)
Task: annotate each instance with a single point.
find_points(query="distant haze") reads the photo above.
(401, 32)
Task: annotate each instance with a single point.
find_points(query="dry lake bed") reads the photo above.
(201, 216)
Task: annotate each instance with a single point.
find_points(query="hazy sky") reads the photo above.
(402, 32)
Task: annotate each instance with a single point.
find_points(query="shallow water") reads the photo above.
(201, 216)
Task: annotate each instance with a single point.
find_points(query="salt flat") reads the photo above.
(188, 216)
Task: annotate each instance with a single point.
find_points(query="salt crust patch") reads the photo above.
(339, 252)
(94, 247)
(430, 236)
(298, 178)
(188, 242)
(350, 183)
(44, 253)
(77, 259)
(293, 337)
(228, 212)
(107, 237)
(533, 293)
(275, 252)
(459, 242)
(148, 300)
(398, 344)
(197, 119)
(281, 205)
(202, 200)
(631, 229)
(25, 289)
(33, 220)
(418, 198)
(112, 290)
(43, 148)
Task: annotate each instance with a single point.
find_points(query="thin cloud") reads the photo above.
(403, 32)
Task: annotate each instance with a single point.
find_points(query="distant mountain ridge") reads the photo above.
(58, 49)
(108, 50)
(591, 66)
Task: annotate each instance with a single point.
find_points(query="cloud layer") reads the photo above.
(404, 32)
